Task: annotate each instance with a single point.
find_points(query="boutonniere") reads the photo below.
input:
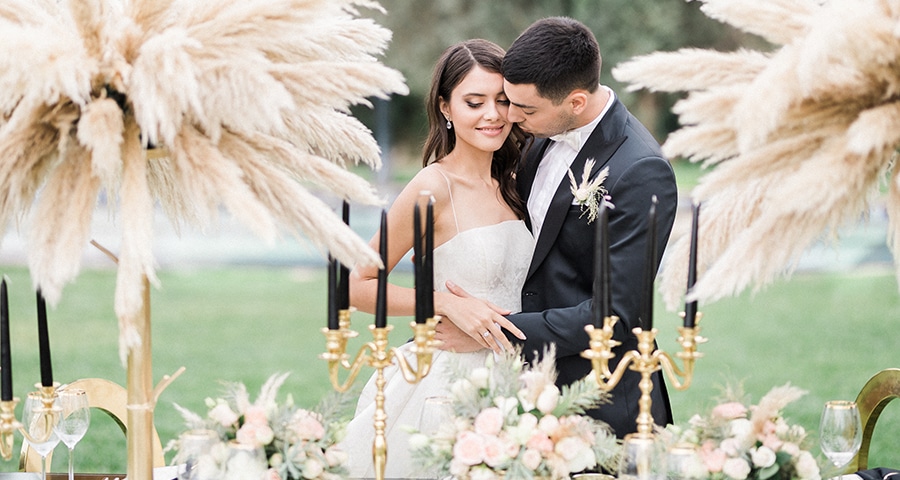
(589, 193)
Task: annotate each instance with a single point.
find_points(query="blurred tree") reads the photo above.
(624, 28)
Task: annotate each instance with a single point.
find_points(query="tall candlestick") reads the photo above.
(44, 342)
(418, 265)
(381, 298)
(332, 293)
(344, 286)
(650, 273)
(600, 303)
(429, 258)
(690, 308)
(5, 357)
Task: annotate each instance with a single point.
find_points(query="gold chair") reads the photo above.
(108, 397)
(883, 387)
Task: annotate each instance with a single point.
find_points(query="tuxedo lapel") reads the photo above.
(596, 147)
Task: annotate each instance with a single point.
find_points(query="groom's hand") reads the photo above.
(453, 339)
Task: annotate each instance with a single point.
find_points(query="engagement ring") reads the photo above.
(485, 334)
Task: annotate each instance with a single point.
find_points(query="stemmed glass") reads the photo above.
(436, 411)
(840, 431)
(39, 422)
(74, 420)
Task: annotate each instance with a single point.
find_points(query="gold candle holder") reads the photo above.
(8, 427)
(378, 355)
(645, 360)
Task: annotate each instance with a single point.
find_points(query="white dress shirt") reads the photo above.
(553, 167)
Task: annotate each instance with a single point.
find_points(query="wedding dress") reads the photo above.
(489, 262)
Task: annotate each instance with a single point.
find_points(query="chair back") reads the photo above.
(883, 387)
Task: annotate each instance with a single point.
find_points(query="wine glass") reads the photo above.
(436, 411)
(194, 452)
(840, 431)
(75, 417)
(643, 458)
(39, 421)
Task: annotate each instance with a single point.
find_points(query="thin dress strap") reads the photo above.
(452, 207)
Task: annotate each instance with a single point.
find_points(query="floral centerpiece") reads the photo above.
(511, 421)
(298, 443)
(739, 441)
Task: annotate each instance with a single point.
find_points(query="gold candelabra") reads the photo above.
(645, 360)
(49, 414)
(377, 354)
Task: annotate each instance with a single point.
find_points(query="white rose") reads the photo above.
(418, 440)
(531, 459)
(523, 431)
(335, 456)
(790, 448)
(548, 399)
(481, 473)
(506, 405)
(462, 389)
(807, 468)
(548, 424)
(312, 468)
(223, 415)
(762, 457)
(578, 454)
(276, 460)
(480, 377)
(742, 430)
(736, 468)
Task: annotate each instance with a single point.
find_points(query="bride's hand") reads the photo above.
(480, 319)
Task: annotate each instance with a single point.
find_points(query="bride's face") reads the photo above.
(478, 107)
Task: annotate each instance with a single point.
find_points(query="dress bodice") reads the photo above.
(489, 262)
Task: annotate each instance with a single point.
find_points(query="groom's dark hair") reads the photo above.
(556, 55)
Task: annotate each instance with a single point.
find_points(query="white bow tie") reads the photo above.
(571, 138)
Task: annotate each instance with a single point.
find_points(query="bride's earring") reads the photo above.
(449, 125)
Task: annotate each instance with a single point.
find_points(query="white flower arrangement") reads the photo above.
(740, 442)
(512, 421)
(298, 443)
(589, 193)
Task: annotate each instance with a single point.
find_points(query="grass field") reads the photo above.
(824, 333)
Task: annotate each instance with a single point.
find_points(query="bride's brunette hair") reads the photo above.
(455, 63)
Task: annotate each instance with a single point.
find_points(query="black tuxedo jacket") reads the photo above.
(556, 296)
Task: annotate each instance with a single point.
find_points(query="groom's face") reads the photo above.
(535, 114)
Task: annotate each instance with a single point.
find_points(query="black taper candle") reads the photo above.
(418, 265)
(429, 258)
(600, 306)
(650, 273)
(333, 300)
(690, 308)
(344, 285)
(44, 342)
(381, 298)
(6, 393)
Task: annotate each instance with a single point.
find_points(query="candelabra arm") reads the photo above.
(600, 353)
(8, 427)
(50, 413)
(424, 345)
(337, 358)
(688, 339)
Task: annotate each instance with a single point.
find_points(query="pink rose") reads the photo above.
(306, 426)
(489, 421)
(255, 415)
(272, 474)
(730, 410)
(540, 442)
(494, 451)
(531, 459)
(712, 457)
(468, 448)
(772, 442)
(254, 434)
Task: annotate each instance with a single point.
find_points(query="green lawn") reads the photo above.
(824, 333)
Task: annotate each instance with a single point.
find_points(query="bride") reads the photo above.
(481, 241)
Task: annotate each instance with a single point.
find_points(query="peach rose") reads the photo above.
(256, 415)
(494, 451)
(540, 442)
(531, 459)
(712, 457)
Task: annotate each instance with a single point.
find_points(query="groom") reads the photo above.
(552, 80)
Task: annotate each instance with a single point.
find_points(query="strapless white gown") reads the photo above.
(489, 262)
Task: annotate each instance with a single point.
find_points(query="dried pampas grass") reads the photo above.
(247, 100)
(801, 137)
